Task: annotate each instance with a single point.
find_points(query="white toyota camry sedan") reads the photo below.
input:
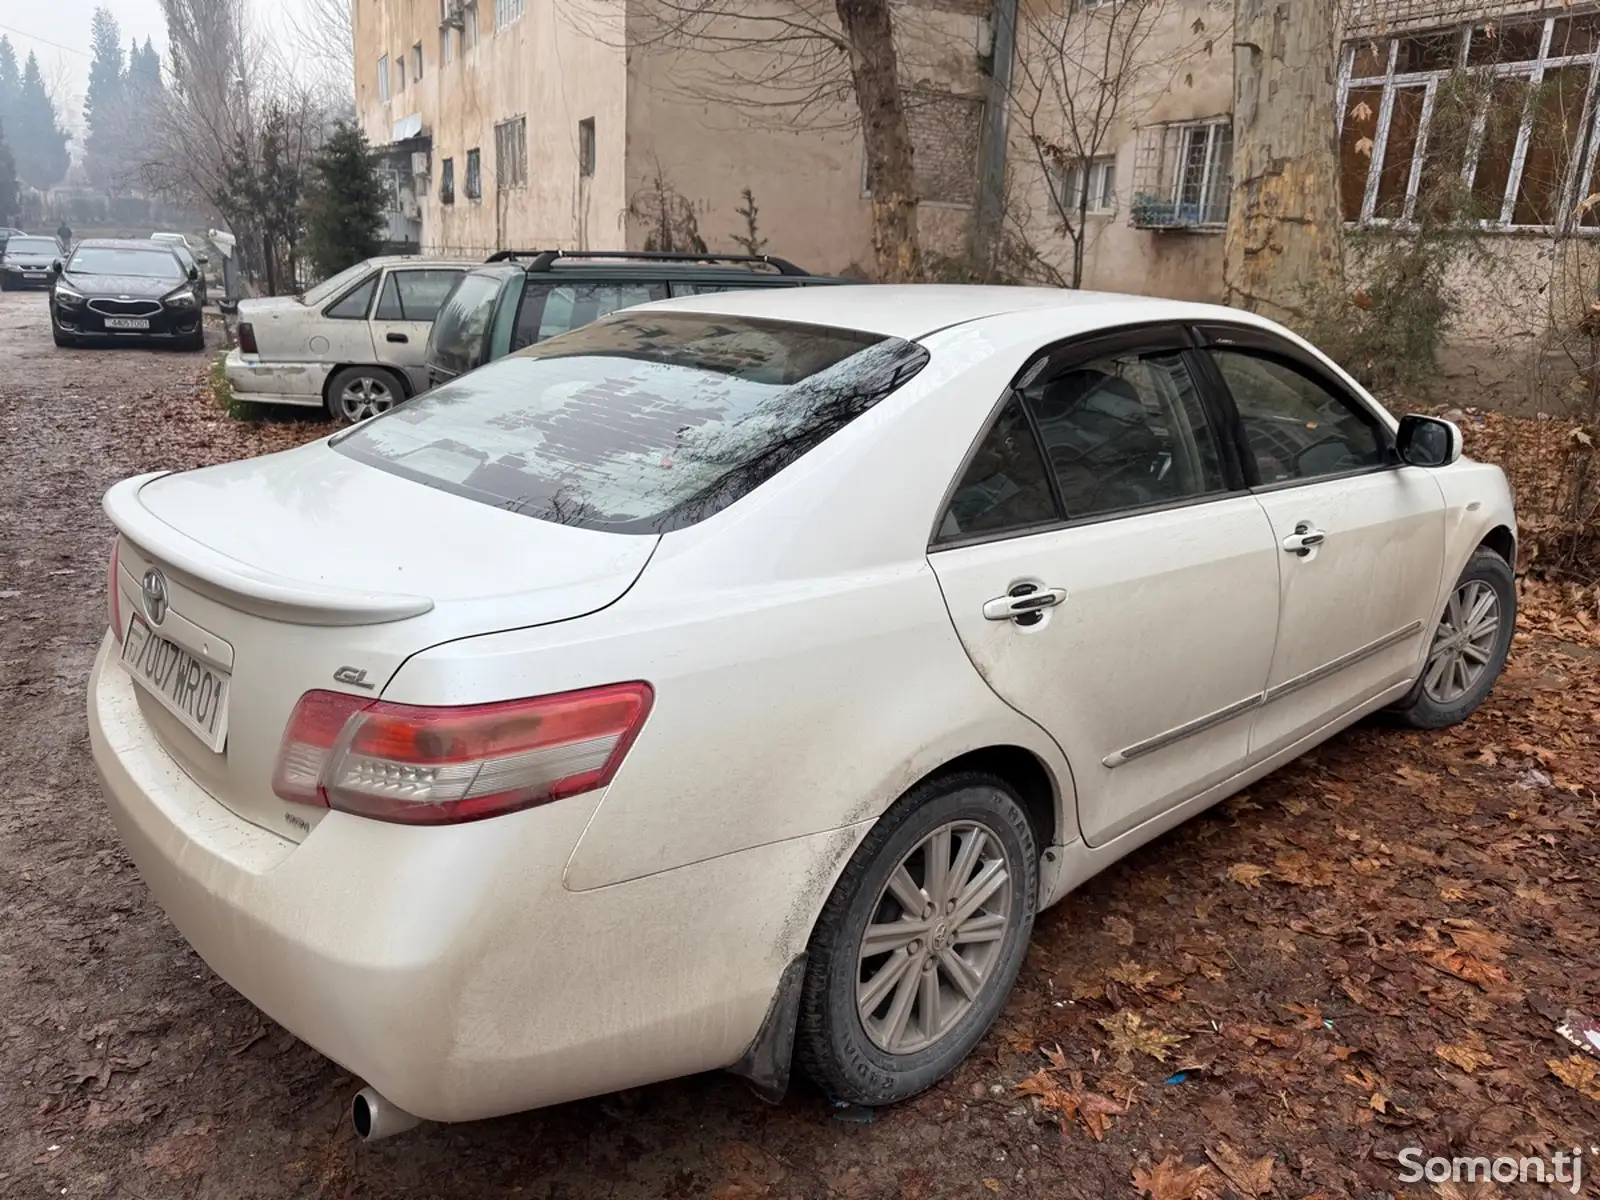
(729, 683)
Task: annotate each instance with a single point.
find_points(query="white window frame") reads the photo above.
(508, 12)
(1214, 172)
(446, 47)
(469, 26)
(1101, 170)
(416, 63)
(1533, 70)
(383, 79)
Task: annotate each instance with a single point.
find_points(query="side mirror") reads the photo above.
(1428, 441)
(194, 274)
(55, 267)
(203, 259)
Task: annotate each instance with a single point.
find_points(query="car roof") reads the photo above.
(912, 311)
(119, 243)
(421, 260)
(643, 268)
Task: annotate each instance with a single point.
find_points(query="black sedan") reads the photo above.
(126, 290)
(26, 260)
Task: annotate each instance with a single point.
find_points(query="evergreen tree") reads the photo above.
(37, 139)
(10, 204)
(10, 83)
(104, 107)
(346, 205)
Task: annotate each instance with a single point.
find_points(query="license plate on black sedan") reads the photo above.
(192, 691)
(127, 322)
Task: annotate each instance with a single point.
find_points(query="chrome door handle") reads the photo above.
(1023, 601)
(1304, 539)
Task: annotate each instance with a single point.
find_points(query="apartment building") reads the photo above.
(517, 123)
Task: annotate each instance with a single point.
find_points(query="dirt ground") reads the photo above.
(1369, 951)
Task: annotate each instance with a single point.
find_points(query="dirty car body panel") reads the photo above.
(797, 640)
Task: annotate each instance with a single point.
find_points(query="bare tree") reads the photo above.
(1083, 78)
(1284, 234)
(800, 63)
(323, 36)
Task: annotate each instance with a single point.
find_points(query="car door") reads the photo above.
(1120, 587)
(343, 334)
(408, 301)
(1360, 536)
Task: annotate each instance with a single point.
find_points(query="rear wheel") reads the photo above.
(356, 393)
(918, 946)
(1469, 647)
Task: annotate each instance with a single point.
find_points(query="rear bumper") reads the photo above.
(275, 382)
(450, 968)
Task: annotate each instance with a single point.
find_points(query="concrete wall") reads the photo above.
(555, 66)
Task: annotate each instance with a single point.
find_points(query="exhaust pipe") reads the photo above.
(375, 1117)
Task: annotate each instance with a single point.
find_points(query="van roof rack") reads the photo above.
(542, 260)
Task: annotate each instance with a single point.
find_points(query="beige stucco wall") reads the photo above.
(556, 65)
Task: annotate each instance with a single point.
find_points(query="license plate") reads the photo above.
(127, 322)
(190, 690)
(33, 274)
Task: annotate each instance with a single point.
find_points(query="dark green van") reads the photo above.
(518, 298)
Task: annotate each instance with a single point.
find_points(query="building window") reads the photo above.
(416, 61)
(1099, 176)
(469, 26)
(586, 147)
(400, 73)
(1493, 123)
(508, 11)
(1181, 176)
(447, 182)
(383, 80)
(474, 176)
(446, 46)
(511, 153)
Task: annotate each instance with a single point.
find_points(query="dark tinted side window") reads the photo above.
(353, 307)
(1124, 432)
(550, 308)
(1004, 486)
(680, 288)
(414, 295)
(1297, 427)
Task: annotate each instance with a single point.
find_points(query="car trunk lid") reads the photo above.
(315, 571)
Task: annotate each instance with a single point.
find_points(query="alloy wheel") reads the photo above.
(365, 396)
(1463, 644)
(934, 938)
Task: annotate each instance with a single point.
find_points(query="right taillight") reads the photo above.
(247, 338)
(421, 765)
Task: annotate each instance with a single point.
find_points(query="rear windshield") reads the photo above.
(158, 262)
(32, 245)
(333, 284)
(456, 342)
(641, 422)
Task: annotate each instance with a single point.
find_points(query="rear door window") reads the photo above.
(550, 308)
(414, 295)
(641, 423)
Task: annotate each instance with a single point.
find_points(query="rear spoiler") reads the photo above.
(241, 585)
(541, 260)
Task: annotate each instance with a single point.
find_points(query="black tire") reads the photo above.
(5, 284)
(1419, 709)
(197, 342)
(64, 340)
(375, 377)
(832, 1044)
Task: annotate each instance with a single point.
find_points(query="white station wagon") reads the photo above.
(353, 344)
(731, 681)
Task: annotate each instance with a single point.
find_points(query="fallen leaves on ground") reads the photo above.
(1169, 1179)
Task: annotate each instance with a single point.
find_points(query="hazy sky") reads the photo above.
(58, 32)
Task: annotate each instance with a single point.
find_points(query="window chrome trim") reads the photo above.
(1260, 700)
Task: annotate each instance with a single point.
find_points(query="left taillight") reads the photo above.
(113, 592)
(421, 765)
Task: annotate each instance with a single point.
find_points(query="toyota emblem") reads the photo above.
(154, 590)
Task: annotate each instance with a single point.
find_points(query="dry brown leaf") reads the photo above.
(1480, 943)
(1465, 966)
(1578, 1072)
(1468, 1058)
(1310, 1014)
(992, 1184)
(1251, 1177)
(1131, 973)
(1169, 1179)
(1361, 113)
(1378, 1102)
(1096, 1112)
(1129, 1034)
(1299, 868)
(1537, 895)
(1120, 929)
(1248, 874)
